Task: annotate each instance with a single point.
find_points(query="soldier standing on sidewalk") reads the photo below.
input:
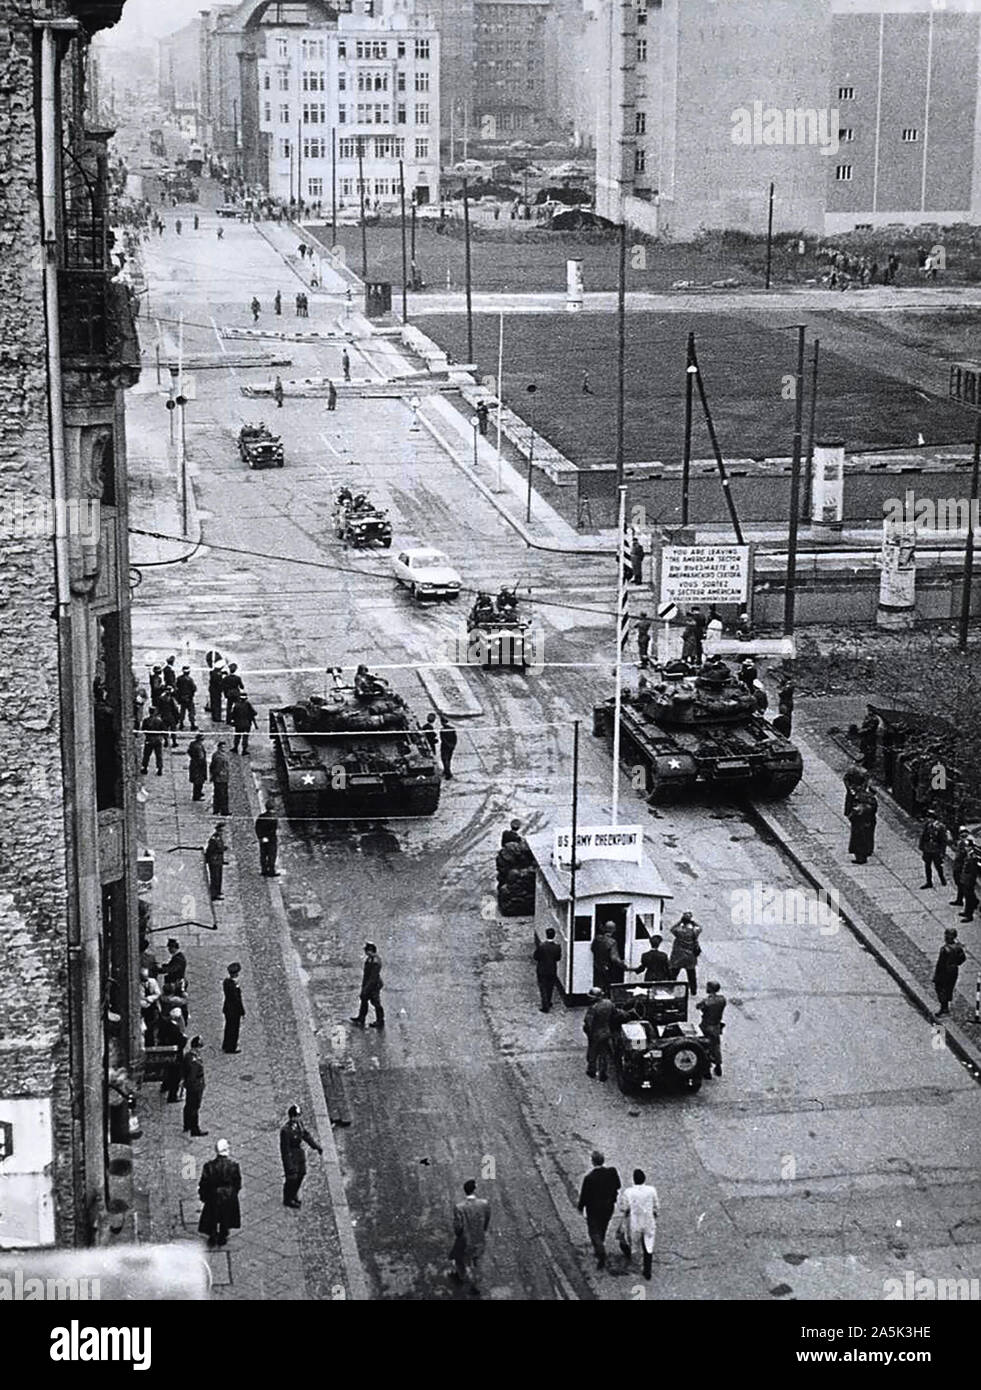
(596, 1026)
(214, 858)
(952, 956)
(346, 365)
(548, 953)
(244, 720)
(215, 681)
(267, 833)
(186, 689)
(232, 1007)
(198, 768)
(933, 848)
(447, 744)
(153, 741)
(231, 686)
(278, 303)
(218, 775)
(292, 1137)
(643, 638)
(193, 1072)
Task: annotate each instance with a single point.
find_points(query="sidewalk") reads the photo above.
(901, 923)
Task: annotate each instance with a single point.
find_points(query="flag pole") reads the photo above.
(621, 600)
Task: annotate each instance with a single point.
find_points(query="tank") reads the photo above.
(360, 752)
(701, 727)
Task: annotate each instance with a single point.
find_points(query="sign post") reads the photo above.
(623, 843)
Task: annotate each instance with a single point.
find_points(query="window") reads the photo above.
(846, 93)
(284, 114)
(400, 82)
(422, 48)
(846, 135)
(388, 147)
(383, 188)
(285, 149)
(400, 114)
(640, 161)
(400, 50)
(267, 112)
(283, 50)
(342, 115)
(314, 113)
(642, 50)
(342, 49)
(347, 147)
(314, 147)
(370, 48)
(641, 11)
(422, 81)
(640, 123)
(284, 80)
(314, 80)
(910, 135)
(381, 81)
(342, 81)
(312, 48)
(843, 173)
(315, 188)
(422, 113)
(346, 187)
(422, 149)
(266, 84)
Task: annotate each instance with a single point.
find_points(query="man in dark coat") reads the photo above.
(861, 842)
(186, 689)
(447, 744)
(153, 741)
(156, 685)
(597, 1202)
(933, 848)
(267, 833)
(214, 858)
(193, 1074)
(218, 775)
(606, 957)
(175, 967)
(232, 1008)
(292, 1137)
(597, 1027)
(643, 629)
(856, 781)
(371, 987)
(949, 962)
(244, 720)
(170, 712)
(170, 673)
(513, 835)
(197, 771)
(331, 396)
(215, 689)
(868, 737)
(961, 851)
(232, 685)
(548, 953)
(654, 962)
(170, 1033)
(636, 561)
(711, 1008)
(969, 884)
(221, 1182)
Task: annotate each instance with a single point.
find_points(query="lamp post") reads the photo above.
(531, 447)
(475, 425)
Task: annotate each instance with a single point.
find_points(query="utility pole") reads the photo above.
(805, 501)
(618, 689)
(790, 585)
(531, 448)
(769, 238)
(299, 171)
(405, 286)
(413, 233)
(690, 372)
(575, 829)
(716, 449)
(333, 186)
(621, 346)
(364, 234)
(969, 543)
(466, 245)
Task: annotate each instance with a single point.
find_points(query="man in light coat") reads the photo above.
(638, 1209)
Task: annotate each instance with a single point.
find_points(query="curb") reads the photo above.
(469, 706)
(309, 1054)
(958, 1042)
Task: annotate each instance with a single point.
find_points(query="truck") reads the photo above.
(357, 752)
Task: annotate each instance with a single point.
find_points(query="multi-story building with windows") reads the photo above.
(511, 85)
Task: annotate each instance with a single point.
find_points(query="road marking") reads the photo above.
(330, 446)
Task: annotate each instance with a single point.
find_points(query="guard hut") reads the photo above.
(616, 881)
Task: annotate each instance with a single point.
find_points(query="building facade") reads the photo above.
(859, 112)
(68, 882)
(511, 75)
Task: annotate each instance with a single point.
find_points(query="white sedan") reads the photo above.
(426, 573)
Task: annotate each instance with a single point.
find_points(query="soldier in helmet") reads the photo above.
(711, 1008)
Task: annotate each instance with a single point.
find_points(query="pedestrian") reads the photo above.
(221, 1182)
(218, 777)
(255, 306)
(606, 957)
(149, 1006)
(244, 720)
(170, 673)
(448, 738)
(868, 737)
(221, 233)
(232, 1008)
(302, 248)
(278, 392)
(482, 416)
(153, 741)
(371, 987)
(654, 962)
(861, 842)
(969, 884)
(643, 638)
(856, 781)
(471, 1219)
(185, 690)
(933, 848)
(952, 956)
(637, 1231)
(304, 305)
(175, 966)
(267, 833)
(962, 848)
(292, 1137)
(548, 953)
(193, 1074)
(214, 858)
(685, 950)
(637, 561)
(170, 1033)
(298, 304)
(215, 678)
(278, 303)
(346, 365)
(331, 396)
(232, 686)
(177, 226)
(197, 221)
(597, 1202)
(711, 1008)
(197, 771)
(597, 1027)
(430, 732)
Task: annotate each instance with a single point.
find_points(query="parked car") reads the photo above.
(426, 573)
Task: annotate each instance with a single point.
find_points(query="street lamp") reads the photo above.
(531, 447)
(475, 424)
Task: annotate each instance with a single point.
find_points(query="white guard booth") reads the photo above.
(627, 891)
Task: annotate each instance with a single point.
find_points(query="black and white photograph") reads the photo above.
(490, 653)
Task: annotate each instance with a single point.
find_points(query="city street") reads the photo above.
(840, 1148)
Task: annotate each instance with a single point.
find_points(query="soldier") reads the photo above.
(430, 733)
(711, 1008)
(170, 712)
(278, 303)
(596, 1025)
(331, 396)
(255, 307)
(278, 391)
(606, 957)
(244, 720)
(215, 681)
(685, 950)
(221, 1182)
(232, 1008)
(691, 644)
(214, 858)
(371, 987)
(969, 883)
(482, 413)
(156, 684)
(637, 561)
(548, 953)
(153, 741)
(231, 686)
(961, 850)
(856, 781)
(193, 1075)
(447, 745)
(952, 956)
(218, 776)
(185, 690)
(292, 1137)
(197, 772)
(513, 835)
(267, 833)
(933, 848)
(865, 809)
(643, 638)
(346, 365)
(170, 1033)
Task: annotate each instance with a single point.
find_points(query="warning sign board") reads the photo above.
(705, 574)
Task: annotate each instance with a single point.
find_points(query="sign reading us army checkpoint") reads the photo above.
(705, 574)
(623, 842)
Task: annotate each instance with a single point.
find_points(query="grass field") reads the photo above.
(745, 369)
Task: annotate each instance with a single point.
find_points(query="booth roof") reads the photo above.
(597, 878)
